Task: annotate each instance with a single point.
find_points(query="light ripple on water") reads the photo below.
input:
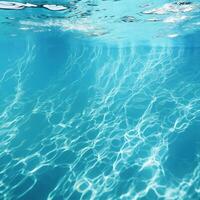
(89, 120)
(100, 130)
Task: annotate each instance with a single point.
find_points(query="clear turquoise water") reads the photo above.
(99, 100)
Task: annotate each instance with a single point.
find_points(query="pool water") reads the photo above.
(100, 100)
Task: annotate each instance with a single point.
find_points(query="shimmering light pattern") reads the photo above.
(102, 129)
(92, 119)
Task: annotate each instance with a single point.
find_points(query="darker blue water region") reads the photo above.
(84, 120)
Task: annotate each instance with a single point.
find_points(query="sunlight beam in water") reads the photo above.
(91, 117)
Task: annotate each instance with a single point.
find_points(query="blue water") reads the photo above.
(99, 100)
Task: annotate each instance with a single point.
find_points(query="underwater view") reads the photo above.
(99, 100)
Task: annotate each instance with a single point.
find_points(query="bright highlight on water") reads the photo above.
(99, 100)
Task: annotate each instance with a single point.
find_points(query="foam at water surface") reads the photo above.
(125, 21)
(91, 112)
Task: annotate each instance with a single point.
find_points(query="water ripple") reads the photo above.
(103, 125)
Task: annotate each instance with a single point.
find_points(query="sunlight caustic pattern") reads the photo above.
(103, 129)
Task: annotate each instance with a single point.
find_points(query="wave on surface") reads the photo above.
(113, 20)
